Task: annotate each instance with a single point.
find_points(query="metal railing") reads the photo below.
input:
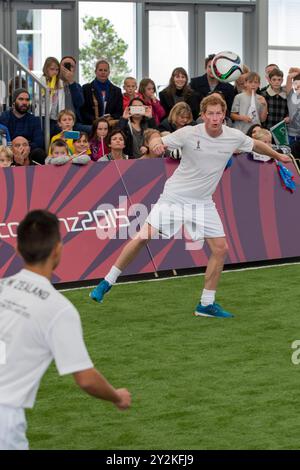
(15, 75)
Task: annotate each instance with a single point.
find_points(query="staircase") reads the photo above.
(14, 75)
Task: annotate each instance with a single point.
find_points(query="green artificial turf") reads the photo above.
(196, 383)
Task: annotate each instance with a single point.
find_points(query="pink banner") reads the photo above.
(101, 205)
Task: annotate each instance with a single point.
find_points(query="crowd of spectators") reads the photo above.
(98, 121)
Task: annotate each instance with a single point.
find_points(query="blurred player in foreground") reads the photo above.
(187, 196)
(37, 325)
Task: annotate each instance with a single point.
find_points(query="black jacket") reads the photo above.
(147, 123)
(168, 101)
(201, 86)
(167, 126)
(114, 105)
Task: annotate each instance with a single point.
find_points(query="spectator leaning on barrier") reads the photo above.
(6, 157)
(21, 152)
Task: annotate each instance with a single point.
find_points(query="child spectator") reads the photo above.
(130, 87)
(99, 133)
(51, 79)
(58, 153)
(66, 121)
(293, 101)
(148, 135)
(180, 116)
(116, 143)
(147, 91)
(276, 100)
(81, 145)
(239, 85)
(248, 107)
(264, 136)
(6, 157)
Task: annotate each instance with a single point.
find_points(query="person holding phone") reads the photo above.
(73, 94)
(147, 91)
(66, 121)
(136, 118)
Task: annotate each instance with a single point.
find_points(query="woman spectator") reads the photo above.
(116, 143)
(99, 133)
(180, 116)
(179, 90)
(147, 91)
(136, 118)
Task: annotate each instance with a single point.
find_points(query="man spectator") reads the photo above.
(22, 155)
(21, 122)
(207, 83)
(73, 92)
(101, 97)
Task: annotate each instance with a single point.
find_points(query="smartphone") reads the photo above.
(137, 110)
(68, 65)
(71, 135)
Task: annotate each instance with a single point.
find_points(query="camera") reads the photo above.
(68, 65)
(137, 110)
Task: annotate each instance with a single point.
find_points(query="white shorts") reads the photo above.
(13, 429)
(200, 219)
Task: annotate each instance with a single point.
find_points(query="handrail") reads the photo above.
(16, 80)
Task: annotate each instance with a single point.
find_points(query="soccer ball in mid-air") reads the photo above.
(226, 66)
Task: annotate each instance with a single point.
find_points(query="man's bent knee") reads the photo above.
(219, 249)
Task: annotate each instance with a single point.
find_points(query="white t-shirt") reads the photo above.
(37, 324)
(203, 161)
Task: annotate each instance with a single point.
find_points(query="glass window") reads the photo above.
(168, 44)
(284, 59)
(219, 38)
(284, 22)
(122, 17)
(35, 38)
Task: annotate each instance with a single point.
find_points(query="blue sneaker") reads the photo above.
(99, 292)
(212, 310)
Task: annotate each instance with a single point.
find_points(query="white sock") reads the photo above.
(113, 275)
(208, 297)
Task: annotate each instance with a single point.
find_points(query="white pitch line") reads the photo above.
(228, 271)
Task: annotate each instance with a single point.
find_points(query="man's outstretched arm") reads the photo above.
(264, 149)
